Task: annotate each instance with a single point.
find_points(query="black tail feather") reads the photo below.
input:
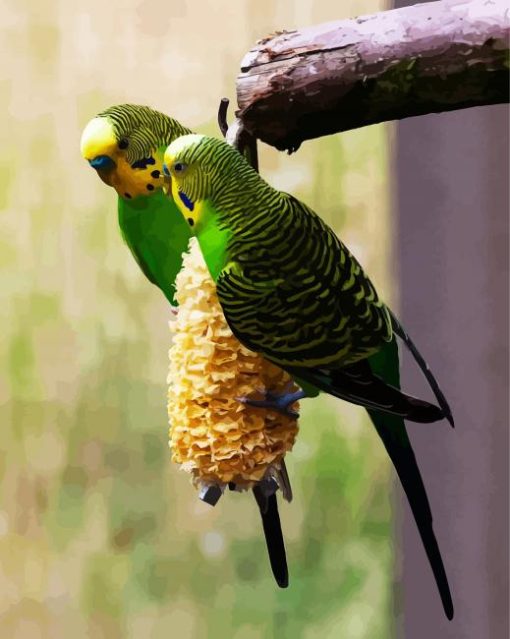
(268, 507)
(441, 399)
(393, 433)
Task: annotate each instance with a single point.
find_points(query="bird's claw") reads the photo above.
(274, 401)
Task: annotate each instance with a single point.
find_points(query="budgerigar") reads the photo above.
(125, 145)
(293, 292)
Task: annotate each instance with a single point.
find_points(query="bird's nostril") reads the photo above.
(102, 162)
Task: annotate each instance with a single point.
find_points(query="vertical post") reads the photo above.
(452, 251)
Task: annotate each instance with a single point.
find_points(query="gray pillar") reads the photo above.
(452, 251)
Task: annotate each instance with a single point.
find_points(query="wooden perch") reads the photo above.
(426, 58)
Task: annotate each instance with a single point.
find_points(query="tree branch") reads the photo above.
(426, 58)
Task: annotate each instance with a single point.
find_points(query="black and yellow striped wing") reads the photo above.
(295, 293)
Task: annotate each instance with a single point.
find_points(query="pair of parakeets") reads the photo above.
(289, 289)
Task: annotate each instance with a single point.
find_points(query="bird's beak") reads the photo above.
(102, 163)
(167, 181)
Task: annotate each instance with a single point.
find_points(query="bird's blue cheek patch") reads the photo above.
(186, 201)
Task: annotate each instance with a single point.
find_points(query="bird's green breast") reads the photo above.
(157, 235)
(213, 237)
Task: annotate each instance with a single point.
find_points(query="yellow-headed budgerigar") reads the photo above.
(291, 291)
(125, 145)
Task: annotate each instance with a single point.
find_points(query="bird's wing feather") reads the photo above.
(296, 294)
(357, 383)
(429, 376)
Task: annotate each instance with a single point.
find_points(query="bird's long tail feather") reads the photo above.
(394, 436)
(268, 507)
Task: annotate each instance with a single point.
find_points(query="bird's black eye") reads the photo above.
(179, 167)
(123, 143)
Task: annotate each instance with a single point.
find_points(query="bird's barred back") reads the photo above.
(293, 291)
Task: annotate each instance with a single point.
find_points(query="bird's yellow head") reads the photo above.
(125, 145)
(186, 178)
(99, 147)
(203, 173)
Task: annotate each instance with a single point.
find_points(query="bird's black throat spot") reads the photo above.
(127, 195)
(191, 221)
(155, 174)
(143, 163)
(150, 187)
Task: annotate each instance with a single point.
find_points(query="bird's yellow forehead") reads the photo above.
(97, 138)
(180, 146)
(169, 157)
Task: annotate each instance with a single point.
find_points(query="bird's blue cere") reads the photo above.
(102, 162)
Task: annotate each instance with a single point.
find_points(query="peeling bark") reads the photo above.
(426, 58)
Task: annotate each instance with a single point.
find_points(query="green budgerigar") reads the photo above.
(291, 291)
(125, 145)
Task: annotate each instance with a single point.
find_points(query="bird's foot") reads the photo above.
(280, 402)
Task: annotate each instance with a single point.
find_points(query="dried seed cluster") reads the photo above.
(213, 435)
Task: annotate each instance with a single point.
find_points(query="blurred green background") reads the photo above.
(100, 535)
